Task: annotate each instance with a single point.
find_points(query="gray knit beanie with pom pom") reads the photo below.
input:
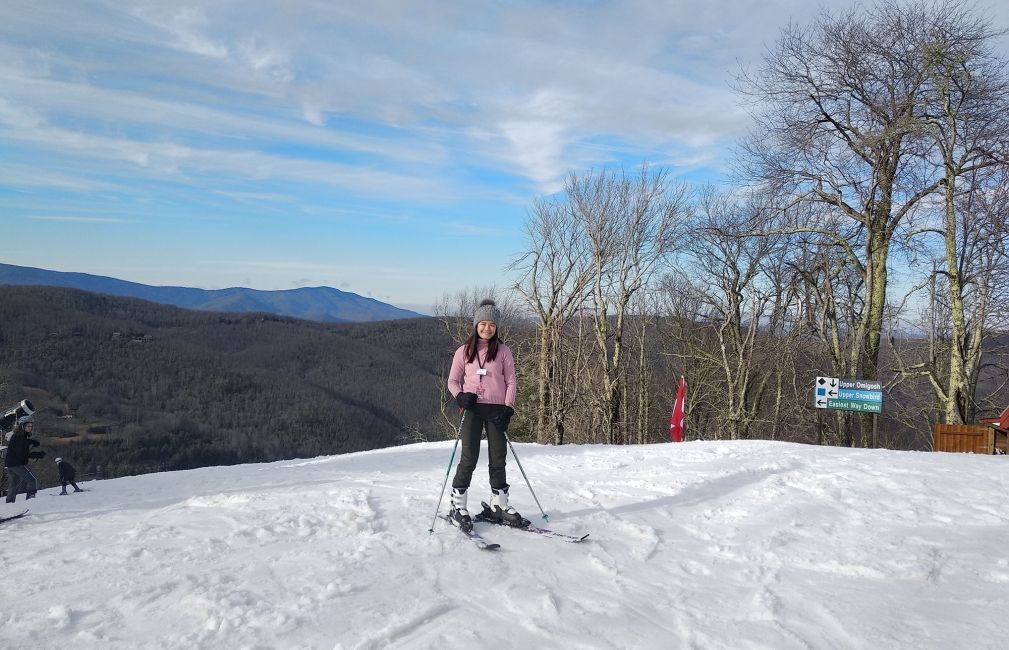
(487, 311)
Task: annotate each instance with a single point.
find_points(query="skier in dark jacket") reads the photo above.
(67, 474)
(19, 451)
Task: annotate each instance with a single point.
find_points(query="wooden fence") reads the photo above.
(969, 438)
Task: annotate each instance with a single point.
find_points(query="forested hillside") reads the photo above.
(130, 386)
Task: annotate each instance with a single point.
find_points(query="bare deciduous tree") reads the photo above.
(553, 281)
(629, 223)
(726, 270)
(843, 108)
(970, 129)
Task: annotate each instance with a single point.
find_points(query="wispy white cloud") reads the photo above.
(79, 219)
(186, 27)
(167, 158)
(28, 176)
(256, 197)
(539, 78)
(383, 123)
(38, 97)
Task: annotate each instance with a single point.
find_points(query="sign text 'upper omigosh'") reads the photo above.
(861, 384)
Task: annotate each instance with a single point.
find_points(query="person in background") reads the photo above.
(19, 445)
(482, 378)
(67, 474)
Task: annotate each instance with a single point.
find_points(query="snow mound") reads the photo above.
(699, 545)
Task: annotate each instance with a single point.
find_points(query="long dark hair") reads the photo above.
(471, 346)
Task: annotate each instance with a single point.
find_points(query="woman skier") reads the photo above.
(482, 379)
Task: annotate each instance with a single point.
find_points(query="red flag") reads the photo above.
(678, 421)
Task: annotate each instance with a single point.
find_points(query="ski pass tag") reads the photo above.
(481, 371)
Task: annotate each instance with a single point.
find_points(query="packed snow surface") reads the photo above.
(695, 545)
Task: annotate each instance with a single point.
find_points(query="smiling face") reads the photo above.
(486, 329)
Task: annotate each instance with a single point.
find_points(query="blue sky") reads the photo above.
(390, 148)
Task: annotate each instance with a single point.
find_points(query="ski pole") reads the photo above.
(512, 447)
(441, 495)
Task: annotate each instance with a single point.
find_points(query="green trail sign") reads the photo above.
(854, 405)
(862, 395)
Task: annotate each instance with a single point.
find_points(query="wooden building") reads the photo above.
(990, 436)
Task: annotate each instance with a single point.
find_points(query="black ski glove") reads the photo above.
(505, 416)
(466, 400)
(36, 454)
(32, 442)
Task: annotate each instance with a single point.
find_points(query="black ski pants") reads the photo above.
(18, 479)
(483, 416)
(76, 489)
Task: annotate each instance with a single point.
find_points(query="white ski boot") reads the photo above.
(500, 513)
(459, 514)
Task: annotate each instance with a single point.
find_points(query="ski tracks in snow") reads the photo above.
(700, 545)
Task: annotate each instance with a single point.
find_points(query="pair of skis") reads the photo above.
(481, 542)
(13, 517)
(486, 545)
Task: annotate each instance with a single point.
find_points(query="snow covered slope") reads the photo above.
(698, 545)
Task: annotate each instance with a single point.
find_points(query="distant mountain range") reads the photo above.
(324, 304)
